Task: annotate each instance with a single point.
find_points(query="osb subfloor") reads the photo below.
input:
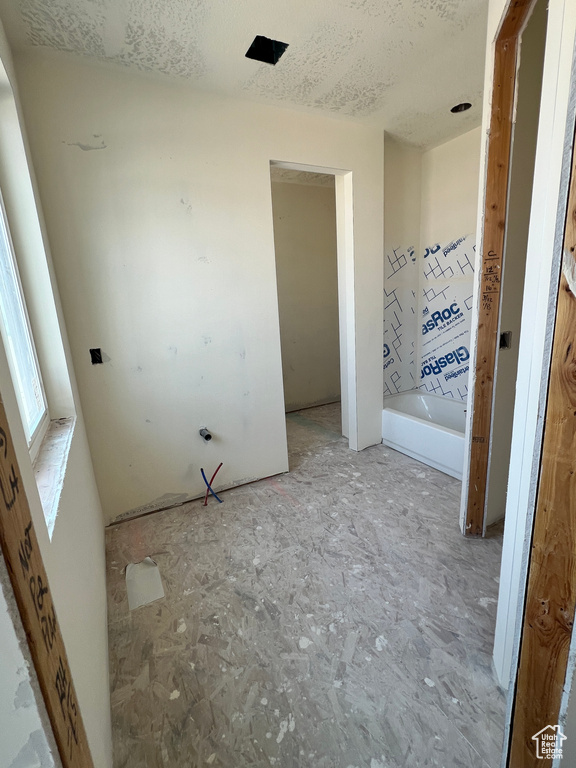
(333, 617)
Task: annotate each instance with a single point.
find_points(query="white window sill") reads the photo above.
(50, 466)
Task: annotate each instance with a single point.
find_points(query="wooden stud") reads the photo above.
(497, 178)
(34, 599)
(515, 19)
(551, 595)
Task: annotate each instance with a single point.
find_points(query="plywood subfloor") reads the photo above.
(333, 617)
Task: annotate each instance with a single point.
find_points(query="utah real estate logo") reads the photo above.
(549, 742)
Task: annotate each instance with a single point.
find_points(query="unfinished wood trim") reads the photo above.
(497, 179)
(34, 599)
(515, 19)
(551, 596)
(498, 163)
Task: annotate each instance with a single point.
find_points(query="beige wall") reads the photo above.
(432, 196)
(74, 558)
(450, 176)
(307, 277)
(158, 206)
(402, 194)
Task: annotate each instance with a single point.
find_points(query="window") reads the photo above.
(19, 344)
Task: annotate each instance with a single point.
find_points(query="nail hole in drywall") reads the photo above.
(266, 50)
(96, 356)
(465, 105)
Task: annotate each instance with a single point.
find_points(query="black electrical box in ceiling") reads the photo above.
(266, 50)
(96, 356)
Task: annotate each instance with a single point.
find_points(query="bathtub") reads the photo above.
(427, 427)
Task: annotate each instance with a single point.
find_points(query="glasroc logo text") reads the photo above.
(460, 355)
(387, 362)
(451, 313)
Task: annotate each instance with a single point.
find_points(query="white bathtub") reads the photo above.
(427, 427)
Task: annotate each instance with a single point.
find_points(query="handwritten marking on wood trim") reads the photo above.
(33, 597)
(497, 179)
(551, 596)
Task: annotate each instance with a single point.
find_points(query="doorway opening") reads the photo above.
(314, 245)
(305, 246)
(305, 243)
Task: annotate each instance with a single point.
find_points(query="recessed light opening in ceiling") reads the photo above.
(266, 50)
(461, 107)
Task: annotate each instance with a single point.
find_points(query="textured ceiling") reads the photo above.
(397, 64)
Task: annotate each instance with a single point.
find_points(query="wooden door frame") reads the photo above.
(27, 573)
(498, 160)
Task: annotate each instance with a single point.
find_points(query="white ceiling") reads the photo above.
(396, 64)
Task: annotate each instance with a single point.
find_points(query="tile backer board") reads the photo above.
(427, 318)
(400, 320)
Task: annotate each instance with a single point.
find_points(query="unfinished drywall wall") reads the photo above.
(431, 197)
(450, 174)
(402, 194)
(74, 558)
(402, 199)
(517, 224)
(431, 201)
(307, 277)
(158, 206)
